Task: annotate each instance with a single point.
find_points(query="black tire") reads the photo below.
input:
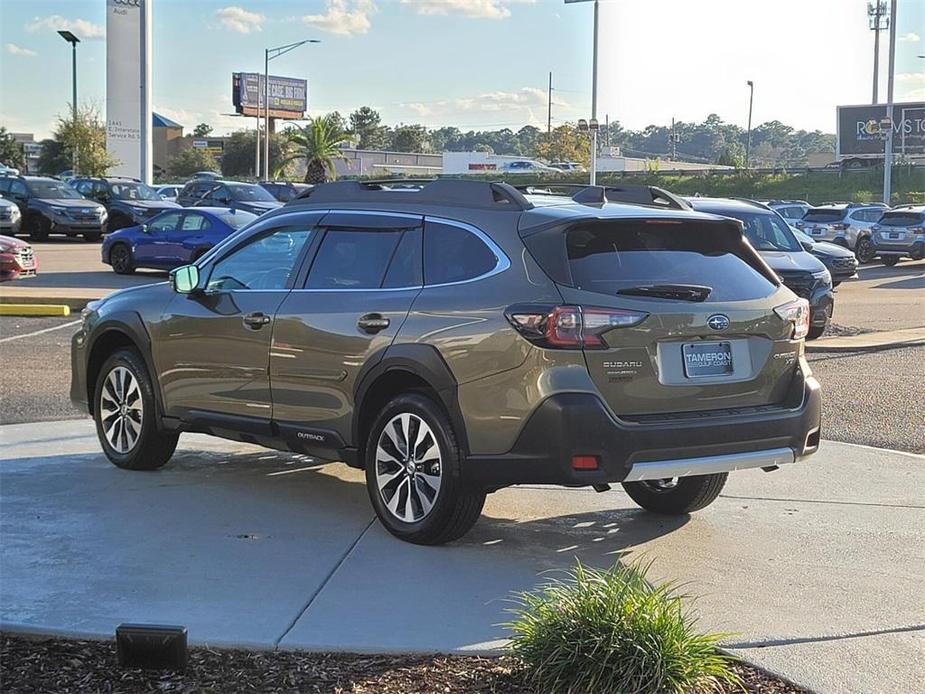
(815, 331)
(835, 283)
(455, 506)
(121, 260)
(93, 236)
(890, 260)
(865, 251)
(688, 494)
(39, 229)
(152, 448)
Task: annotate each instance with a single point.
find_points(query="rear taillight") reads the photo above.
(917, 230)
(797, 312)
(569, 327)
(838, 227)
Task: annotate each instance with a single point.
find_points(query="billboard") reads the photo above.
(859, 130)
(288, 95)
(128, 87)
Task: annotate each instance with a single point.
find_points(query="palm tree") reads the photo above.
(319, 144)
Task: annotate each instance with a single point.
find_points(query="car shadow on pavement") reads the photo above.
(98, 280)
(910, 283)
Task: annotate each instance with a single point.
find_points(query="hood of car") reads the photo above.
(782, 261)
(832, 249)
(258, 207)
(9, 243)
(67, 202)
(150, 204)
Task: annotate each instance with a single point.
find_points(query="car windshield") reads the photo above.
(765, 231)
(249, 193)
(133, 191)
(54, 190)
(237, 218)
(823, 215)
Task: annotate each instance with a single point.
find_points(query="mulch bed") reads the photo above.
(63, 666)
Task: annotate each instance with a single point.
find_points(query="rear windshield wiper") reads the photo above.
(681, 292)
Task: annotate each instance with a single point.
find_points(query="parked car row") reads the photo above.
(868, 229)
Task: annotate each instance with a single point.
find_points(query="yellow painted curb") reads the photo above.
(35, 310)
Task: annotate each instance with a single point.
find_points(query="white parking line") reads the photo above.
(39, 332)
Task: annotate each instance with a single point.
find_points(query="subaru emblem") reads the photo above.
(718, 321)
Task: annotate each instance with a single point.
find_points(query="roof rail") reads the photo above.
(751, 201)
(440, 191)
(629, 194)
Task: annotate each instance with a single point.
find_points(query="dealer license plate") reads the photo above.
(707, 359)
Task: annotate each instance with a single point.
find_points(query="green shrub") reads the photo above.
(600, 632)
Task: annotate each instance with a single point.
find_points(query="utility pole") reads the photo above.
(594, 127)
(748, 141)
(674, 142)
(875, 14)
(73, 40)
(888, 144)
(549, 111)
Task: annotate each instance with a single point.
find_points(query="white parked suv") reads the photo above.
(848, 225)
(791, 210)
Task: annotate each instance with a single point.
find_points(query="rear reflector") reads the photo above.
(584, 462)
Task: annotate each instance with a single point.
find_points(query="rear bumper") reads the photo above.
(912, 247)
(579, 424)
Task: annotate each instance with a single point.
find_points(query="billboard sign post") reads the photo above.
(128, 87)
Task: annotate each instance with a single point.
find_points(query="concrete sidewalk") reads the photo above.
(817, 567)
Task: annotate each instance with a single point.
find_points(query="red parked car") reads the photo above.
(16, 259)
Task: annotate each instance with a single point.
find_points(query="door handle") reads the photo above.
(257, 320)
(372, 323)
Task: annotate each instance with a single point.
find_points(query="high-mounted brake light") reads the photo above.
(797, 312)
(570, 327)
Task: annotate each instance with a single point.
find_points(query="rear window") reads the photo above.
(824, 215)
(607, 258)
(902, 219)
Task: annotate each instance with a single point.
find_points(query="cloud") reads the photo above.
(911, 37)
(240, 20)
(85, 30)
(344, 17)
(13, 49)
(517, 105)
(910, 85)
(482, 9)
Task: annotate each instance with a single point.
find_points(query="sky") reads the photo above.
(475, 64)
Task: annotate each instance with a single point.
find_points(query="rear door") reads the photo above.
(687, 354)
(362, 281)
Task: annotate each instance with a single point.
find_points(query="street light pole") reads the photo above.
(888, 146)
(593, 179)
(748, 140)
(73, 40)
(267, 57)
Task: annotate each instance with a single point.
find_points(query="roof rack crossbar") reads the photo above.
(630, 194)
(440, 191)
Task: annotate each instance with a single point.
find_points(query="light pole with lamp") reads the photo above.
(73, 40)
(267, 57)
(593, 179)
(748, 139)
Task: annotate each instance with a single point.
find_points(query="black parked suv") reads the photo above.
(284, 191)
(50, 206)
(127, 200)
(773, 238)
(239, 196)
(455, 337)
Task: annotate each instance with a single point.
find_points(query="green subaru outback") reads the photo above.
(455, 337)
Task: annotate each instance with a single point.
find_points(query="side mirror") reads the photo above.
(185, 279)
(144, 228)
(807, 246)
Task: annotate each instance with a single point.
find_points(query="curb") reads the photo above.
(819, 346)
(34, 309)
(76, 304)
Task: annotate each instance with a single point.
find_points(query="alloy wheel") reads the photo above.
(408, 467)
(119, 257)
(121, 409)
(865, 250)
(664, 485)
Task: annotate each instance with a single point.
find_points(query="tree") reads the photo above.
(202, 130)
(86, 135)
(191, 160)
(566, 144)
(366, 129)
(11, 151)
(319, 144)
(410, 138)
(239, 150)
(731, 156)
(51, 159)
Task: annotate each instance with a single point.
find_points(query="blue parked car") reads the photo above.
(172, 238)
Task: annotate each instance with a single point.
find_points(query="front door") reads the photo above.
(212, 347)
(151, 247)
(362, 282)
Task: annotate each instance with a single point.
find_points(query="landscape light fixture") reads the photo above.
(582, 125)
(593, 125)
(73, 40)
(268, 55)
(885, 124)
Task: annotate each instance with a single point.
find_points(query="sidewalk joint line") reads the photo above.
(818, 639)
(820, 501)
(324, 583)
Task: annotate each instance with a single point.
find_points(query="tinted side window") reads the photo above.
(194, 222)
(19, 188)
(353, 259)
(4, 185)
(167, 222)
(265, 262)
(407, 268)
(453, 254)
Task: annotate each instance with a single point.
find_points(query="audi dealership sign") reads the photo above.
(128, 87)
(860, 132)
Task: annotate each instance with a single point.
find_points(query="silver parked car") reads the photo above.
(900, 233)
(791, 210)
(848, 225)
